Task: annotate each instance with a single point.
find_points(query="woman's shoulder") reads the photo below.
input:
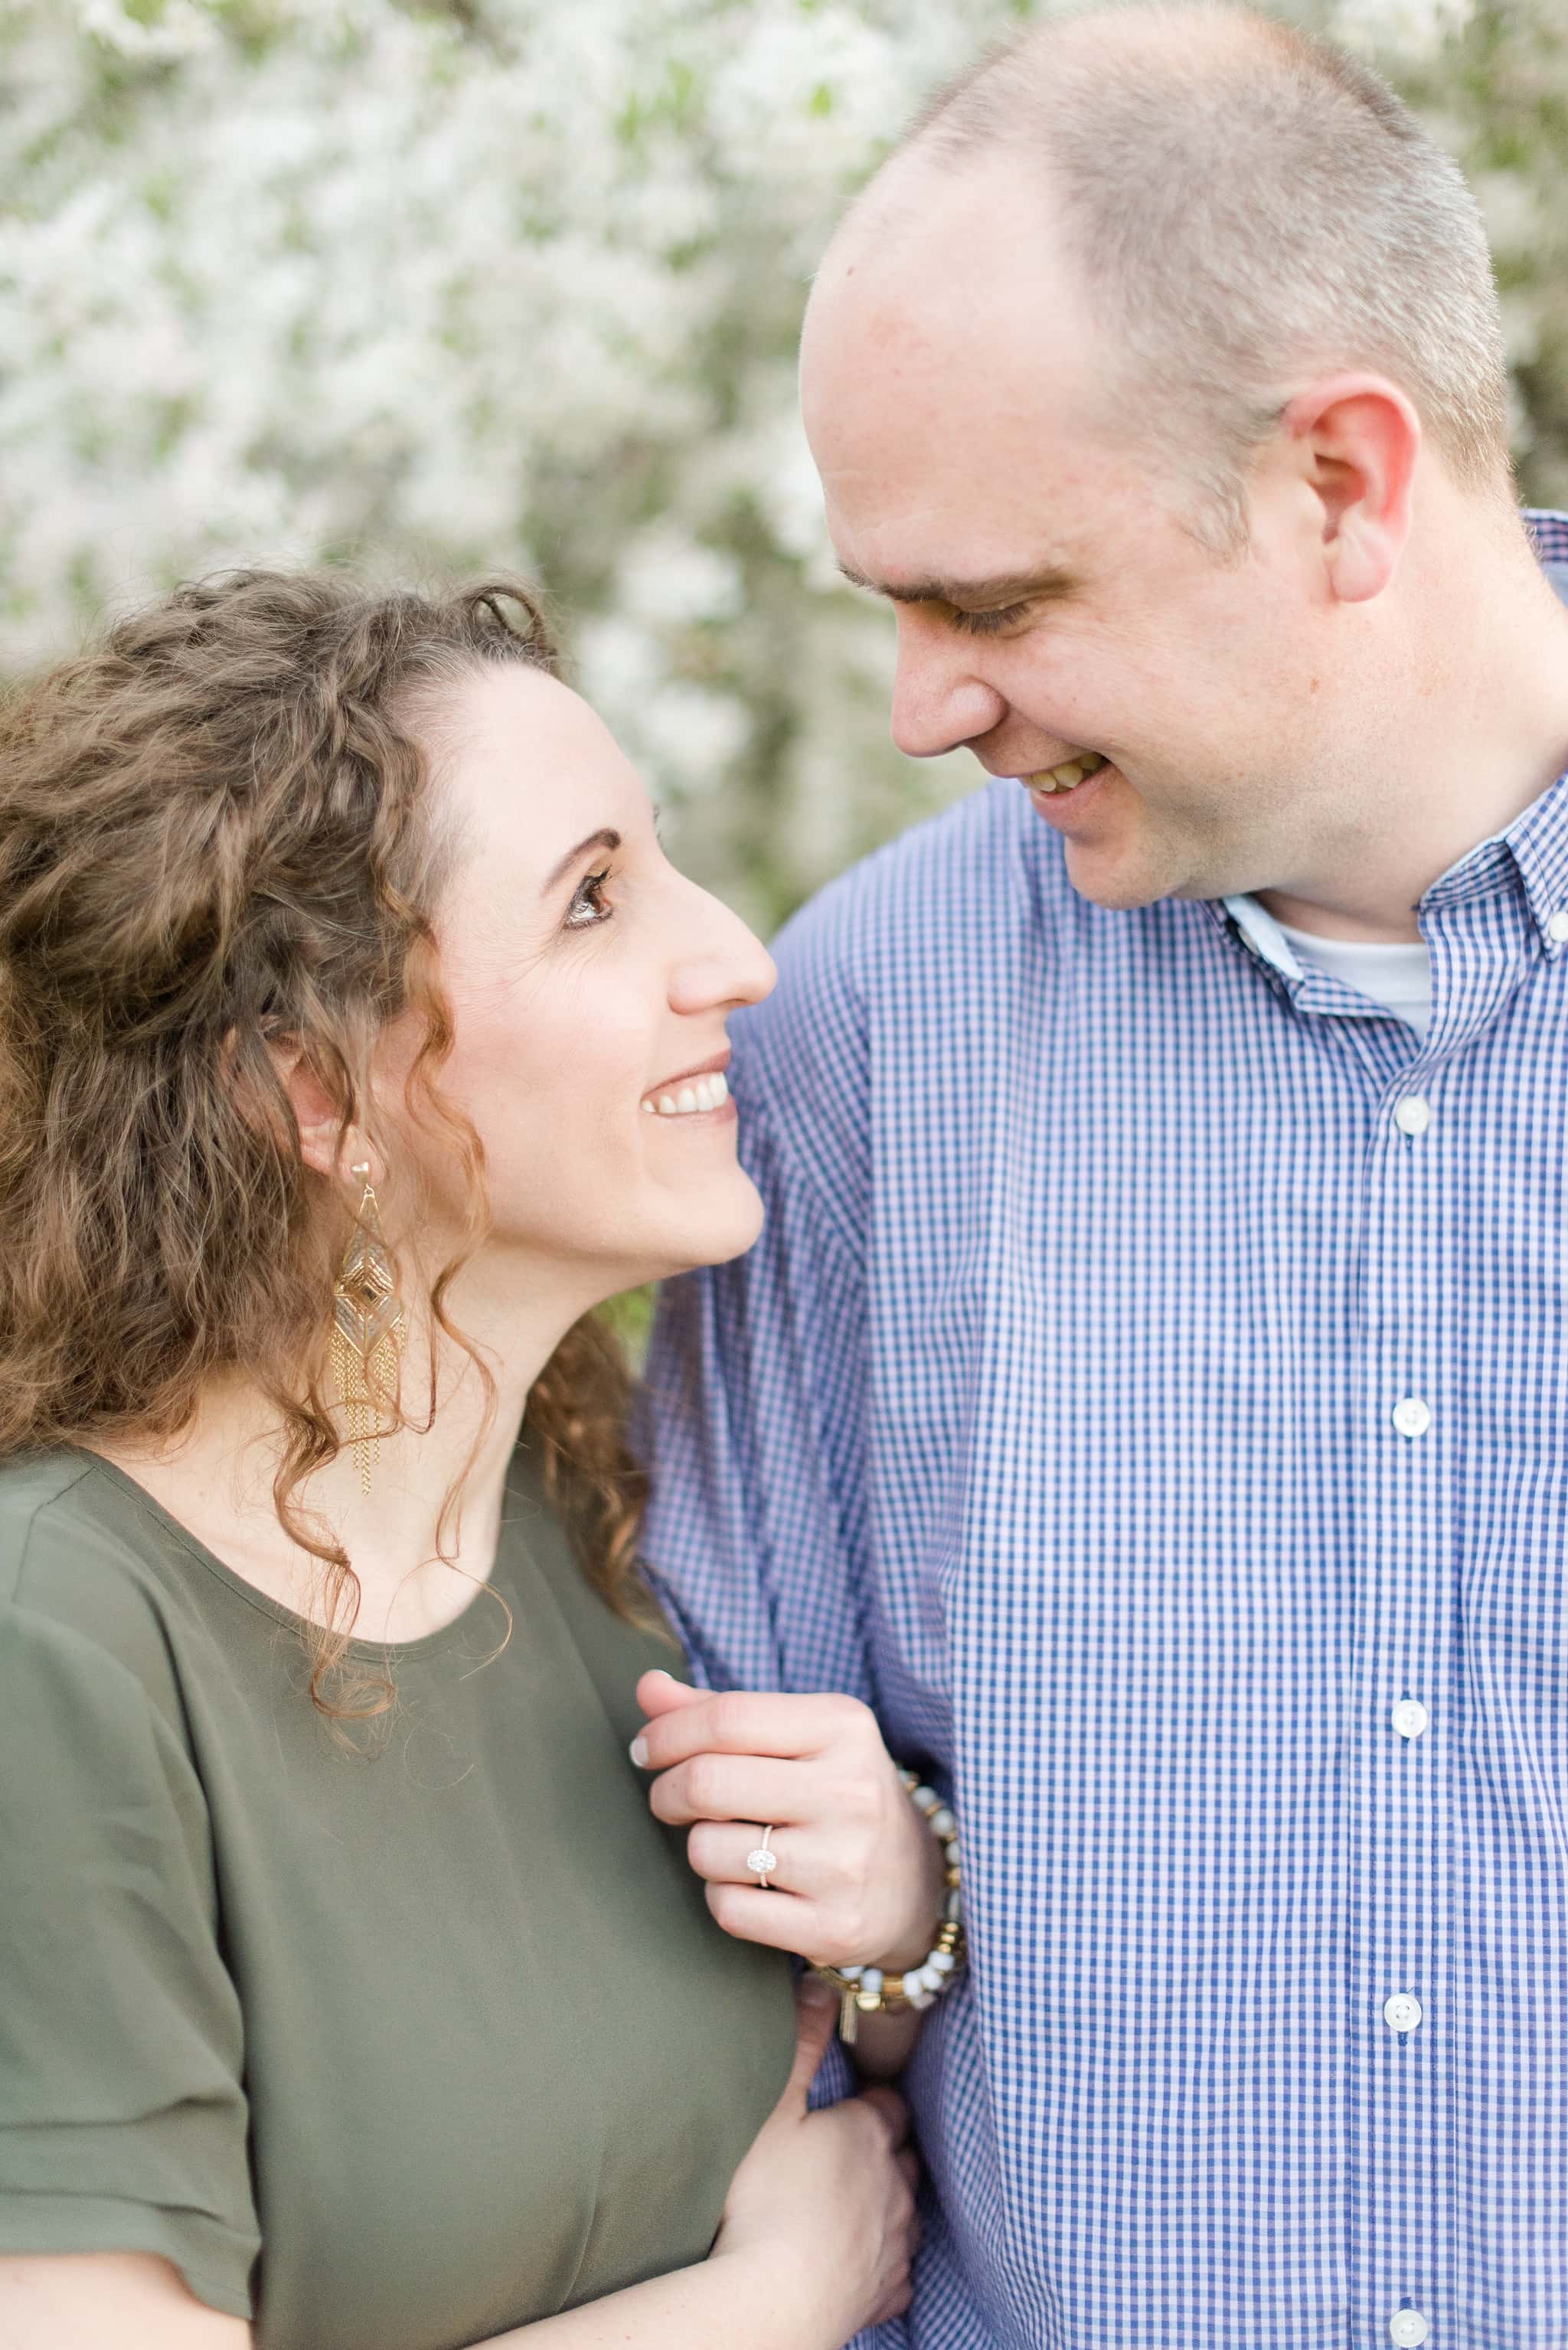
(85, 1574)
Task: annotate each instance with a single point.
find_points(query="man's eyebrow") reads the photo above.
(603, 839)
(1006, 587)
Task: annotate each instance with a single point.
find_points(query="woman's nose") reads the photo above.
(725, 962)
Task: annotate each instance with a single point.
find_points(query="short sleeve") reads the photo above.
(123, 2117)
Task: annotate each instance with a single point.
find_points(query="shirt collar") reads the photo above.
(1259, 932)
(1538, 843)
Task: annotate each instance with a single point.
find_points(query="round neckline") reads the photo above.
(365, 1652)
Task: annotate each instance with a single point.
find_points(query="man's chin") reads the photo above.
(1118, 879)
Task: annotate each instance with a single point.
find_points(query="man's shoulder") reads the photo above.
(1548, 532)
(902, 894)
(984, 875)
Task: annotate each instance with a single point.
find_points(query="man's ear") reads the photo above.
(1356, 440)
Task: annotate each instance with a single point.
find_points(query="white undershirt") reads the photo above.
(1397, 977)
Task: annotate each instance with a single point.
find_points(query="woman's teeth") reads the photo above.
(1068, 775)
(704, 1093)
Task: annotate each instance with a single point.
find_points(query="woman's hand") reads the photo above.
(859, 1880)
(824, 2204)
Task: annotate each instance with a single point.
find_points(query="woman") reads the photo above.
(355, 1040)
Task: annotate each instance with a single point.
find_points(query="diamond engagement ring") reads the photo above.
(764, 1861)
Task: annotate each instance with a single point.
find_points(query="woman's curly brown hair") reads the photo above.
(216, 833)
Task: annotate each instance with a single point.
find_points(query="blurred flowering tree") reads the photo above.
(518, 281)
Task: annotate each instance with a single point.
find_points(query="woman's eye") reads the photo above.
(587, 908)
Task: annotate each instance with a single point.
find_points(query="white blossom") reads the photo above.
(1400, 29)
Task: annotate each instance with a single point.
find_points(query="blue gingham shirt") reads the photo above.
(1149, 1393)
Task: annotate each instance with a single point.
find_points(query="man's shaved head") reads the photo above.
(1239, 204)
(1156, 378)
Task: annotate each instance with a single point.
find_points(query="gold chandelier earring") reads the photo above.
(368, 1330)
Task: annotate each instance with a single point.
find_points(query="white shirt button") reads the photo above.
(1412, 1114)
(1557, 926)
(1412, 1416)
(1409, 1716)
(1402, 2013)
(1408, 2328)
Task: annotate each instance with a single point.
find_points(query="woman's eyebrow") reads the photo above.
(603, 839)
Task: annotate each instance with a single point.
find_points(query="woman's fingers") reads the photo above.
(658, 1692)
(890, 2110)
(719, 1850)
(777, 1920)
(728, 1787)
(851, 1851)
(751, 1721)
(783, 1920)
(815, 2008)
(908, 2162)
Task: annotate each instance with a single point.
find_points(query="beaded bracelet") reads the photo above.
(869, 1990)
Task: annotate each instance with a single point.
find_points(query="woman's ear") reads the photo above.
(324, 1144)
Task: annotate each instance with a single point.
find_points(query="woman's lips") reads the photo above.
(704, 1094)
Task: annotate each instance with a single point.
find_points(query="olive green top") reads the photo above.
(447, 2033)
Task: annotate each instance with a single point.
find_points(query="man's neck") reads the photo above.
(1382, 926)
(1480, 731)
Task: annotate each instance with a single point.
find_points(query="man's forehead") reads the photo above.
(936, 255)
(969, 398)
(947, 516)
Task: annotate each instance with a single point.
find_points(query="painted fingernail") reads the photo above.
(638, 1751)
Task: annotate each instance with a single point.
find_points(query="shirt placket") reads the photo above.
(1397, 2022)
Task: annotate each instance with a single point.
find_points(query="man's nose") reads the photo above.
(938, 703)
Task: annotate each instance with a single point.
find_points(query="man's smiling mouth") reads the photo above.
(1068, 775)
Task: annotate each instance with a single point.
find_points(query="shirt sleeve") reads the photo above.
(753, 1394)
(755, 1389)
(123, 2115)
(754, 1404)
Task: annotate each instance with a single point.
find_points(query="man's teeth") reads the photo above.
(1068, 775)
(704, 1093)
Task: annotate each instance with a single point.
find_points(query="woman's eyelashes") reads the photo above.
(587, 908)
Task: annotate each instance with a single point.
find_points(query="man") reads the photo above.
(1149, 1390)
